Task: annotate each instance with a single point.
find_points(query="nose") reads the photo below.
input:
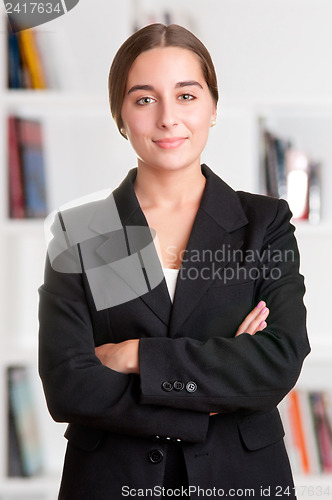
(167, 115)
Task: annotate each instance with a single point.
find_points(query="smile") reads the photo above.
(171, 143)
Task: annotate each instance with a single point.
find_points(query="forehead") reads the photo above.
(165, 63)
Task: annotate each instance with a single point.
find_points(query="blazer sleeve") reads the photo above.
(252, 372)
(79, 388)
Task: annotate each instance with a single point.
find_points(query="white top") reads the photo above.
(171, 276)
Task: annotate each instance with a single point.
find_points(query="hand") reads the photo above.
(121, 357)
(255, 321)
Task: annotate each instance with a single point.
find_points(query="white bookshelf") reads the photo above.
(80, 140)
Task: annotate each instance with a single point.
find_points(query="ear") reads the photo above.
(214, 113)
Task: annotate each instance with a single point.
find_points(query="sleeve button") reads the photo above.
(191, 386)
(178, 385)
(167, 386)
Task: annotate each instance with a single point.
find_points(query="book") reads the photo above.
(15, 176)
(297, 426)
(24, 424)
(291, 174)
(14, 63)
(323, 431)
(309, 431)
(31, 59)
(33, 167)
(315, 192)
(25, 64)
(270, 164)
(297, 171)
(292, 450)
(14, 463)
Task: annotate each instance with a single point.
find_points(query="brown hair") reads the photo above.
(147, 38)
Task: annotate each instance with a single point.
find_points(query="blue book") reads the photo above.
(33, 168)
(14, 62)
(22, 409)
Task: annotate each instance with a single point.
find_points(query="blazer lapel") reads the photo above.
(215, 236)
(133, 239)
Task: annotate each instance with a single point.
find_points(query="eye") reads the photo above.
(186, 97)
(144, 101)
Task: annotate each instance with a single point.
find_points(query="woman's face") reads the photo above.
(168, 108)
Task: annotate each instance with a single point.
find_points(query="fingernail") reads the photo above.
(263, 310)
(260, 304)
(262, 324)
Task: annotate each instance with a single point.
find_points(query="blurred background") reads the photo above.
(58, 143)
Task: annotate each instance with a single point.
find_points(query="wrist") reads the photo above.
(133, 358)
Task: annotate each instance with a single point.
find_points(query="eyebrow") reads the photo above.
(189, 83)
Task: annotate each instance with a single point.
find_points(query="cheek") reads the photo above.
(139, 124)
(201, 120)
(200, 128)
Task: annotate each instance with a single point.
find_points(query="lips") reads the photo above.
(170, 143)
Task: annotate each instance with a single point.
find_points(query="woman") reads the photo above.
(161, 390)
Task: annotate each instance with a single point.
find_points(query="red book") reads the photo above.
(323, 431)
(15, 177)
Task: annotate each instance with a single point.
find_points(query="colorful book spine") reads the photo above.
(15, 176)
(33, 167)
(323, 431)
(23, 416)
(289, 173)
(309, 431)
(15, 75)
(307, 419)
(297, 168)
(31, 59)
(314, 193)
(26, 169)
(298, 431)
(24, 61)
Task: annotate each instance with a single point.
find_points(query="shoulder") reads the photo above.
(227, 205)
(264, 207)
(82, 218)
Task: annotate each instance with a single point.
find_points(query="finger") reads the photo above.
(261, 327)
(250, 318)
(259, 322)
(252, 315)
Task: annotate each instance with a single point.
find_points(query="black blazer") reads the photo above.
(241, 250)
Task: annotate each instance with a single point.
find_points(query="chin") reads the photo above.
(170, 164)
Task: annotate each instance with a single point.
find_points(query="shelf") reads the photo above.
(313, 486)
(19, 356)
(30, 486)
(306, 229)
(23, 226)
(43, 102)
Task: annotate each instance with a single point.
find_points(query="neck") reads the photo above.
(168, 188)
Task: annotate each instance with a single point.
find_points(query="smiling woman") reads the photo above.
(175, 386)
(171, 112)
